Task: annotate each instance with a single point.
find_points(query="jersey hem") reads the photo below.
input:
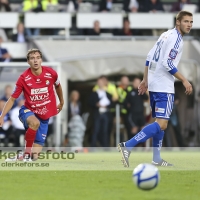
(167, 92)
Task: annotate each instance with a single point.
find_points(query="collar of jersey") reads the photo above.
(178, 32)
(38, 75)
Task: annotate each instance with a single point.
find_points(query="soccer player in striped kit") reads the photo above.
(159, 75)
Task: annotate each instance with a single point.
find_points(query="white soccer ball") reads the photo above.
(146, 176)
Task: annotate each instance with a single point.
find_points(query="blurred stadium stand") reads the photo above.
(93, 4)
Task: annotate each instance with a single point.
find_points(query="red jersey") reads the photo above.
(38, 91)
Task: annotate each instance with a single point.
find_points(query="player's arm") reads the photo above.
(9, 104)
(59, 93)
(168, 61)
(187, 85)
(6, 109)
(144, 84)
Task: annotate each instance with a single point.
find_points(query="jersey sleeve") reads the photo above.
(149, 56)
(18, 88)
(171, 51)
(55, 77)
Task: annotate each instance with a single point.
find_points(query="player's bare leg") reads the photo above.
(162, 123)
(37, 148)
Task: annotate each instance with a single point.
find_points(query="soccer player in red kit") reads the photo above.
(37, 84)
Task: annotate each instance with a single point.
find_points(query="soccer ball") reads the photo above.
(146, 176)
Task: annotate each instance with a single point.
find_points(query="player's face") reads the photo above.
(35, 60)
(185, 24)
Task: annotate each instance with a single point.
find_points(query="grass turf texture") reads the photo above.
(103, 177)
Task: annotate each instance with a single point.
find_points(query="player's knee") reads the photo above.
(34, 124)
(163, 126)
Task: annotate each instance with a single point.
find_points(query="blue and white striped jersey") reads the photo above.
(163, 60)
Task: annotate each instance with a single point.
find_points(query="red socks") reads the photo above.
(29, 140)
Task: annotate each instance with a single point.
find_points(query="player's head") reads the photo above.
(184, 21)
(34, 58)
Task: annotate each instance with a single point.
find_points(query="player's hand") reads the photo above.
(59, 107)
(142, 88)
(188, 87)
(1, 121)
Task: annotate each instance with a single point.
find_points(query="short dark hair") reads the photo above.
(30, 51)
(183, 13)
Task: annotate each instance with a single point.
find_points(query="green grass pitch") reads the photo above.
(101, 176)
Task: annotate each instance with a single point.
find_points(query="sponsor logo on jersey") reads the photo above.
(39, 97)
(27, 110)
(173, 53)
(39, 90)
(41, 111)
(160, 110)
(29, 84)
(26, 79)
(42, 104)
(47, 75)
(44, 136)
(152, 66)
(38, 81)
(47, 82)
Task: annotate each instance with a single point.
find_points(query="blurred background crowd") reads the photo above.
(92, 117)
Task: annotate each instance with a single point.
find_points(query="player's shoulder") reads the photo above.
(174, 34)
(26, 73)
(49, 70)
